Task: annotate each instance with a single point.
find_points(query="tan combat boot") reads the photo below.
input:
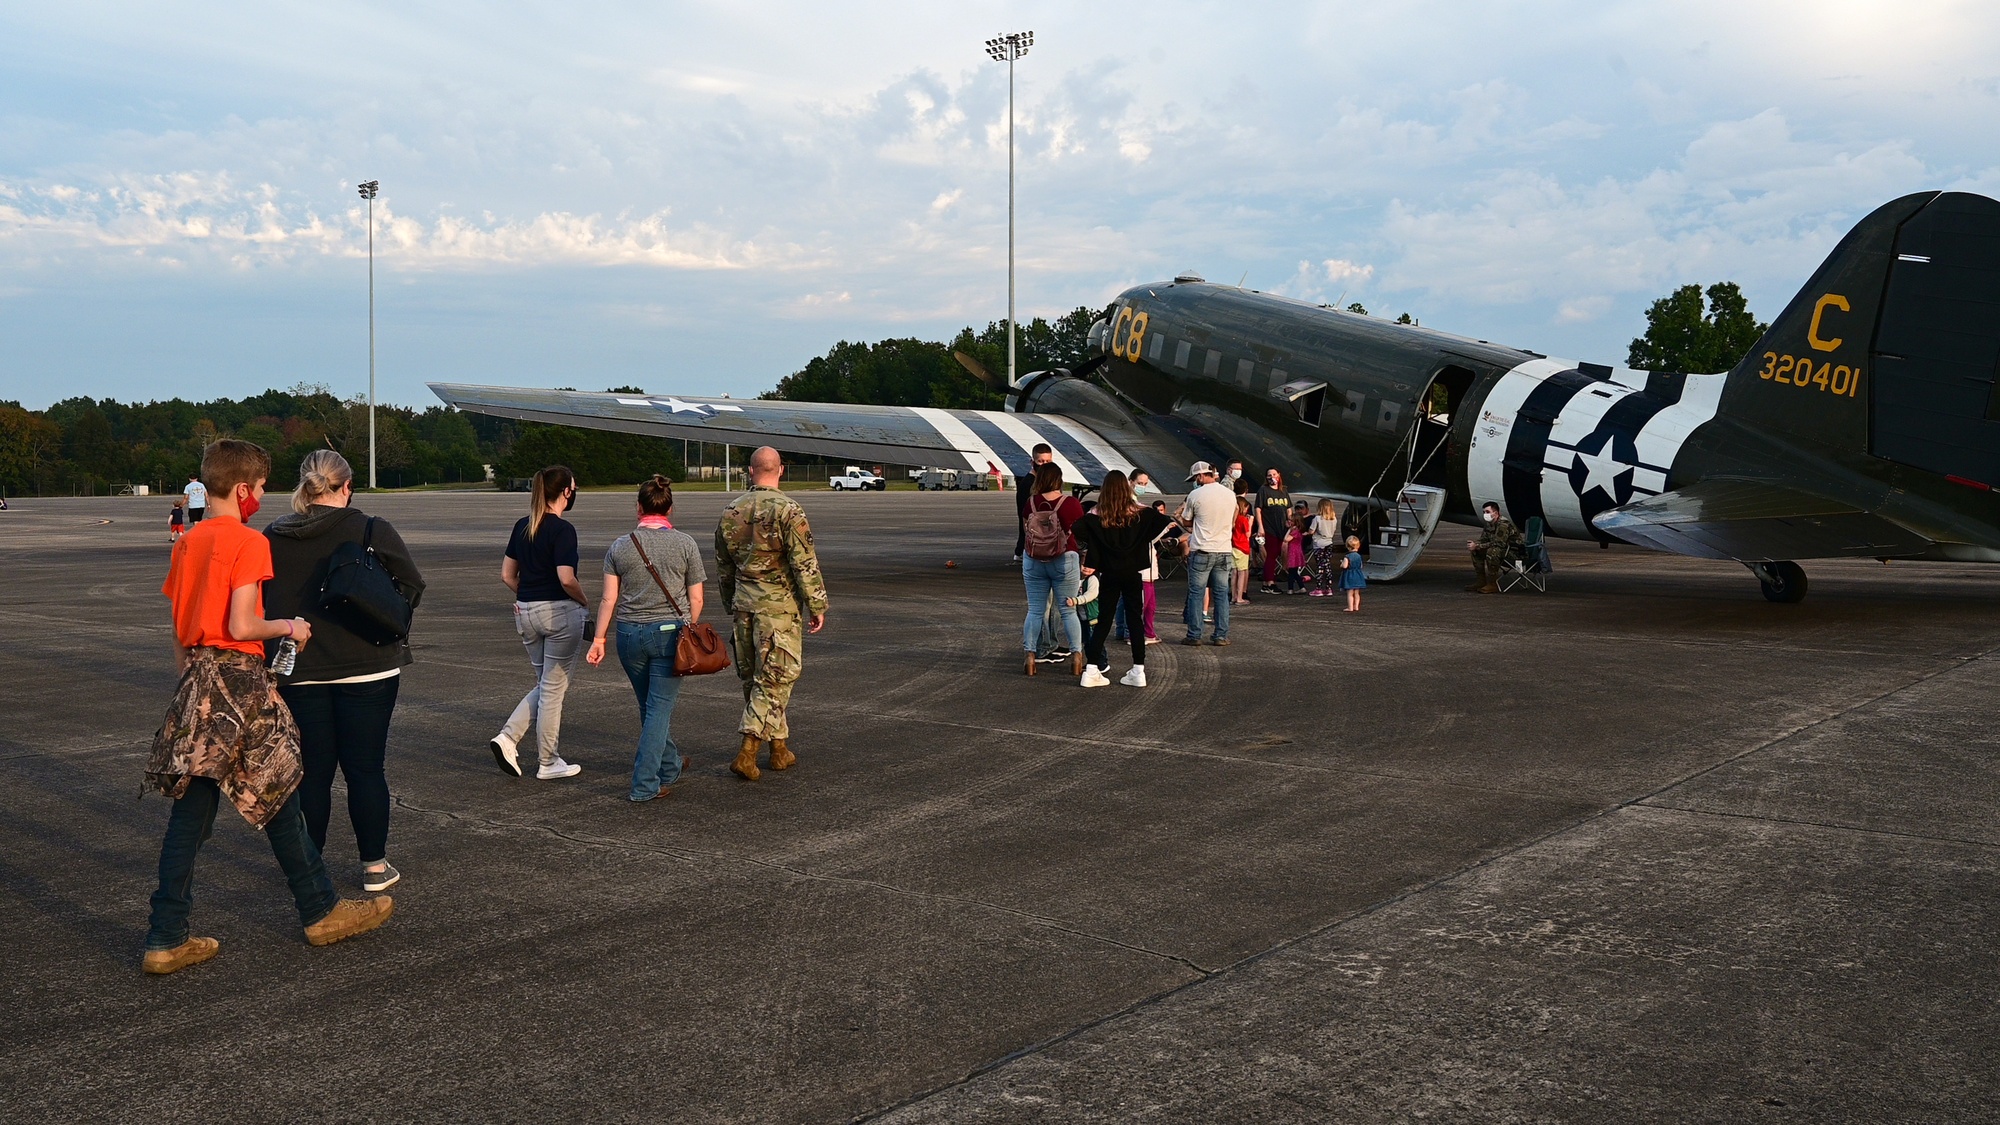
(745, 764)
(193, 951)
(781, 755)
(350, 916)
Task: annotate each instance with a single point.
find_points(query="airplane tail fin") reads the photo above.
(1893, 346)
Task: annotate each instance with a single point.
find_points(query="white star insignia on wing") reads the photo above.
(679, 406)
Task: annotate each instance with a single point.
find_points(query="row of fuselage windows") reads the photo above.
(1354, 406)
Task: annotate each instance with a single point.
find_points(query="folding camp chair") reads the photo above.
(1529, 565)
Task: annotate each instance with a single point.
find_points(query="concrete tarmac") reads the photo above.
(1644, 848)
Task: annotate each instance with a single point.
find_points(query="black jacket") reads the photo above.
(300, 549)
(1119, 550)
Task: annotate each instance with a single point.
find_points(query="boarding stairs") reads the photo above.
(1401, 531)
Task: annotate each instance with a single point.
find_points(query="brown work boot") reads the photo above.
(1475, 587)
(1490, 588)
(781, 755)
(351, 916)
(745, 765)
(193, 951)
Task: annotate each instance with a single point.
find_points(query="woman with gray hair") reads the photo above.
(343, 689)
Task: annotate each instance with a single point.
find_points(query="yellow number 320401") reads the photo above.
(1801, 371)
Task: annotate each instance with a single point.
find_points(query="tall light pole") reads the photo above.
(368, 191)
(1007, 48)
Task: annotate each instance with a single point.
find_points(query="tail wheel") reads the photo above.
(1782, 582)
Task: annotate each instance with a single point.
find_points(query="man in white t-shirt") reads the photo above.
(1207, 513)
(197, 499)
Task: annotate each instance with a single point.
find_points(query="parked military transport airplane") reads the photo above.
(1866, 422)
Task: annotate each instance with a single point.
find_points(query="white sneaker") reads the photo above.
(1093, 676)
(1152, 640)
(1135, 678)
(506, 753)
(556, 769)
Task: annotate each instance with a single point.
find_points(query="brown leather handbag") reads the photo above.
(700, 650)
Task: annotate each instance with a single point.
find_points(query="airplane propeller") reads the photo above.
(978, 371)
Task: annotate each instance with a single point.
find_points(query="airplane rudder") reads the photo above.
(1808, 374)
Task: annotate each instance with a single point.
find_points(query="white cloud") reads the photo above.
(1343, 271)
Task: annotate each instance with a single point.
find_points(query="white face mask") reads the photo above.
(1487, 515)
(1235, 474)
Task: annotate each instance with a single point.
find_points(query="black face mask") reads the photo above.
(572, 501)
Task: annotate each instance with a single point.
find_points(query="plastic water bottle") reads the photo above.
(286, 658)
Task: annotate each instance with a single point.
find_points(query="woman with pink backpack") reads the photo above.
(1049, 563)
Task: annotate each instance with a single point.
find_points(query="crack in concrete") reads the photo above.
(1445, 879)
(1827, 824)
(694, 854)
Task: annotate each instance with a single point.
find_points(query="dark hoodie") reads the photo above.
(301, 547)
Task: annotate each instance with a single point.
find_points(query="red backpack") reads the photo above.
(1046, 537)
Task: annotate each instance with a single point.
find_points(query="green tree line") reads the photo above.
(101, 445)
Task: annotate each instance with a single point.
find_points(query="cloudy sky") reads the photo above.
(698, 197)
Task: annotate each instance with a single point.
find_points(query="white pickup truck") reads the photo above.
(856, 479)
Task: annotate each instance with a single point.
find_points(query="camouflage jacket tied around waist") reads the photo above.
(227, 723)
(764, 558)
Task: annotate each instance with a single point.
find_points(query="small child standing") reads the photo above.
(1352, 579)
(1294, 558)
(177, 522)
(1239, 553)
(1085, 603)
(227, 732)
(1323, 562)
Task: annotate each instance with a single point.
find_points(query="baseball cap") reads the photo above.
(1200, 467)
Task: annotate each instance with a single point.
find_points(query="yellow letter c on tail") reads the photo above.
(1819, 308)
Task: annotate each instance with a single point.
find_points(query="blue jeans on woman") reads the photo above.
(647, 653)
(1058, 578)
(187, 829)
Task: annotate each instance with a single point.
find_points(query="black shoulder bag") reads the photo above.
(359, 593)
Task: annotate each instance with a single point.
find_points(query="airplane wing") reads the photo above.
(1756, 521)
(978, 440)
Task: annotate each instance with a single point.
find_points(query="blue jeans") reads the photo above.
(553, 633)
(1046, 578)
(187, 829)
(1208, 570)
(647, 652)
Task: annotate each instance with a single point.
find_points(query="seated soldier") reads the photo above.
(1490, 550)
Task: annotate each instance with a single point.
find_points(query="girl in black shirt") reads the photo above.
(1115, 540)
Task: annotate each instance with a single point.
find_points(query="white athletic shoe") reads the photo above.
(506, 754)
(558, 768)
(1093, 676)
(1135, 678)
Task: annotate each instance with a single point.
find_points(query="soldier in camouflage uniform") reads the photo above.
(1490, 550)
(770, 579)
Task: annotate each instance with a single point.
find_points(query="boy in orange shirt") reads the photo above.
(228, 733)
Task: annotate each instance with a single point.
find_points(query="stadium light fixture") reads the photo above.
(1008, 48)
(368, 191)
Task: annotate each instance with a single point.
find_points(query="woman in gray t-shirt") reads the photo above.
(652, 589)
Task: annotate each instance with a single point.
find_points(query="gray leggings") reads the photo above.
(553, 633)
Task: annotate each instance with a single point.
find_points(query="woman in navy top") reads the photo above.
(549, 614)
